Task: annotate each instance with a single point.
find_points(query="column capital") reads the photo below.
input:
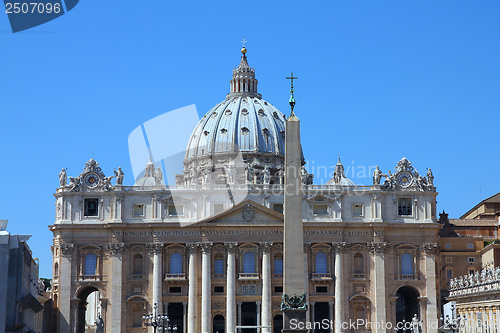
(119, 197)
(67, 249)
(231, 246)
(193, 246)
(115, 248)
(331, 302)
(206, 247)
(266, 246)
(307, 246)
(155, 248)
(429, 248)
(258, 303)
(377, 247)
(339, 247)
(239, 303)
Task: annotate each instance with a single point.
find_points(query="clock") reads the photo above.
(91, 179)
(405, 179)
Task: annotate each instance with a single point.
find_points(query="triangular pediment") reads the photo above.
(247, 212)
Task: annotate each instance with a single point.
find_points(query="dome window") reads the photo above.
(228, 112)
(265, 131)
(244, 112)
(206, 132)
(214, 114)
(282, 134)
(223, 131)
(275, 115)
(245, 130)
(265, 103)
(262, 113)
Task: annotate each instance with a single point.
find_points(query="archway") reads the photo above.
(406, 304)
(175, 312)
(88, 309)
(219, 326)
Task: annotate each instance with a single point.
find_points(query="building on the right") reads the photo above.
(487, 209)
(477, 296)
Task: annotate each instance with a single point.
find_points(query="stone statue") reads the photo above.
(310, 179)
(249, 174)
(106, 182)
(62, 178)
(280, 175)
(415, 324)
(377, 175)
(304, 175)
(230, 173)
(99, 325)
(158, 176)
(74, 184)
(266, 175)
(119, 176)
(193, 176)
(430, 177)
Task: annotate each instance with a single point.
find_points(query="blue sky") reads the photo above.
(377, 80)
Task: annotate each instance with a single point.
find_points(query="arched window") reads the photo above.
(358, 264)
(137, 264)
(90, 264)
(248, 262)
(278, 263)
(175, 263)
(321, 263)
(406, 264)
(219, 264)
(56, 269)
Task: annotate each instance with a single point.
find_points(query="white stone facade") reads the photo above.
(209, 250)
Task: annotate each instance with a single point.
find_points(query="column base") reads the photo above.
(295, 321)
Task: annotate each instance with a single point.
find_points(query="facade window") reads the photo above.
(248, 262)
(218, 208)
(447, 246)
(320, 209)
(218, 289)
(219, 264)
(357, 210)
(56, 269)
(321, 289)
(175, 210)
(138, 210)
(404, 207)
(91, 207)
(358, 264)
(470, 245)
(137, 318)
(449, 274)
(90, 264)
(449, 260)
(176, 263)
(278, 263)
(471, 259)
(137, 264)
(406, 264)
(472, 270)
(321, 263)
(278, 207)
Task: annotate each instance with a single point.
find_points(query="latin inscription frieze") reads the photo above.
(243, 232)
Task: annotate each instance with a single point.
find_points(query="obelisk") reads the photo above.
(294, 301)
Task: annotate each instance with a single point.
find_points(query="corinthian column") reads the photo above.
(231, 287)
(116, 250)
(193, 277)
(378, 283)
(339, 291)
(266, 286)
(430, 286)
(65, 278)
(206, 303)
(156, 250)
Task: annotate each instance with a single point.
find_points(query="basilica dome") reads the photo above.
(243, 126)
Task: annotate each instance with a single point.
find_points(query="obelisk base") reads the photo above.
(294, 321)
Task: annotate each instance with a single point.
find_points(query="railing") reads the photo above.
(321, 276)
(175, 277)
(90, 277)
(359, 276)
(408, 276)
(248, 276)
(485, 282)
(277, 275)
(136, 277)
(219, 276)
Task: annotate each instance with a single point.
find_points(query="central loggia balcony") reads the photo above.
(175, 278)
(318, 277)
(248, 277)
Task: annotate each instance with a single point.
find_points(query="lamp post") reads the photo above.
(451, 324)
(158, 321)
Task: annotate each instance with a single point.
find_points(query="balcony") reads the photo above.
(359, 276)
(321, 277)
(408, 277)
(278, 275)
(248, 277)
(175, 278)
(218, 276)
(90, 277)
(136, 277)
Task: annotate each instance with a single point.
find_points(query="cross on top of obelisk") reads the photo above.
(244, 42)
(292, 97)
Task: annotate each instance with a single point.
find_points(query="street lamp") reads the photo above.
(451, 325)
(159, 321)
